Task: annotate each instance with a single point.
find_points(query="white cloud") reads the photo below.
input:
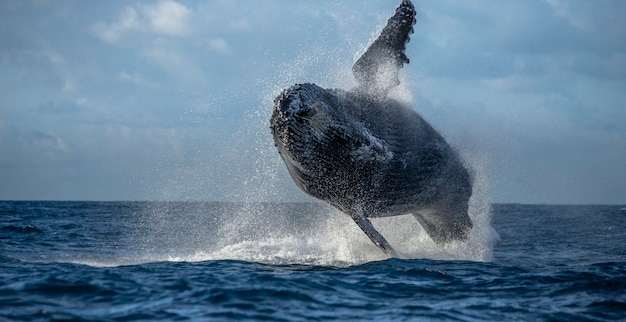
(220, 45)
(112, 32)
(138, 79)
(527, 73)
(184, 68)
(564, 9)
(150, 30)
(167, 18)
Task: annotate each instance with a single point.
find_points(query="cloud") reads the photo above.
(112, 32)
(220, 45)
(577, 13)
(181, 86)
(138, 79)
(63, 106)
(166, 18)
(484, 39)
(28, 148)
(46, 141)
(169, 18)
(179, 64)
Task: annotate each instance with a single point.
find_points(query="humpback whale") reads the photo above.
(369, 155)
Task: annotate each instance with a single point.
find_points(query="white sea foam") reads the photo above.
(336, 239)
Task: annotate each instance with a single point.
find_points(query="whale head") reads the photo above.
(302, 115)
(304, 120)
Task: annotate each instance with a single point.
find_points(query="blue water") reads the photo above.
(120, 261)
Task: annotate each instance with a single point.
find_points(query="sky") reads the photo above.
(167, 100)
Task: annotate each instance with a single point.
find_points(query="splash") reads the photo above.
(313, 233)
(319, 234)
(300, 233)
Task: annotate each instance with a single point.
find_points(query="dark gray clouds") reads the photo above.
(170, 100)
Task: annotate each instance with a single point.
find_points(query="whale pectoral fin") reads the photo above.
(377, 69)
(359, 218)
(444, 227)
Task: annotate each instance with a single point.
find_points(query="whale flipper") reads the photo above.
(376, 71)
(361, 220)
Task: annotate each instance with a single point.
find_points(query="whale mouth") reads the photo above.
(291, 106)
(300, 117)
(293, 109)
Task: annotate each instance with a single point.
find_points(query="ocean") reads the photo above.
(147, 261)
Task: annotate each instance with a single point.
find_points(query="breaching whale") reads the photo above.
(369, 155)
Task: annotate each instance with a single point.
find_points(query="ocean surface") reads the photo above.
(129, 261)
